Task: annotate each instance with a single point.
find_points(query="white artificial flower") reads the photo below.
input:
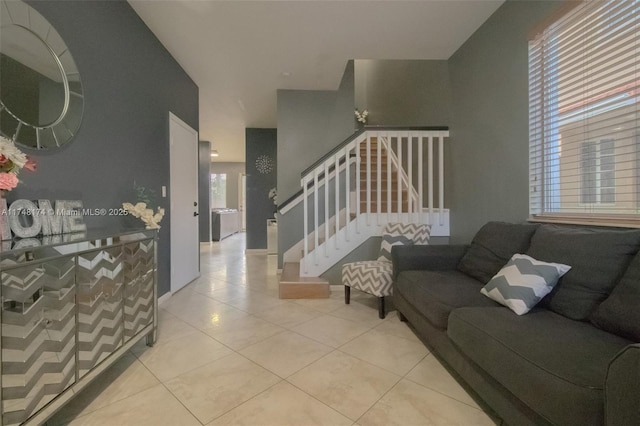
(145, 214)
(11, 151)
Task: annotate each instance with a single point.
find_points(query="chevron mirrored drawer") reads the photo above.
(71, 306)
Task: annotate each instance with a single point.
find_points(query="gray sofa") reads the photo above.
(574, 359)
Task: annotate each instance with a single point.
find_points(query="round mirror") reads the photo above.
(41, 99)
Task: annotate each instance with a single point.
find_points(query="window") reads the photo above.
(218, 190)
(598, 170)
(584, 115)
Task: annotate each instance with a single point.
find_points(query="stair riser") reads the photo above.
(304, 291)
(292, 286)
(383, 208)
(384, 199)
(384, 177)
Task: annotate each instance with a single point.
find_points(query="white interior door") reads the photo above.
(183, 190)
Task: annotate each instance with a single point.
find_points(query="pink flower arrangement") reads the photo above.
(8, 181)
(12, 160)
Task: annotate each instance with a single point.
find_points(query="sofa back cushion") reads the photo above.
(597, 257)
(493, 246)
(620, 312)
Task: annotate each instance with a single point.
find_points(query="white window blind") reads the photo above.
(584, 115)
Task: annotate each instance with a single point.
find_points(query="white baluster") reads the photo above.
(336, 167)
(305, 192)
(410, 177)
(347, 192)
(316, 231)
(441, 178)
(326, 208)
(358, 185)
(389, 178)
(399, 173)
(420, 179)
(379, 179)
(430, 172)
(368, 184)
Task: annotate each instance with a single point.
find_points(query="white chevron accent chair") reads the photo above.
(376, 276)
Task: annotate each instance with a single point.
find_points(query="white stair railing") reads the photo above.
(399, 195)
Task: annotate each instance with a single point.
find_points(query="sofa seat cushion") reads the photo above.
(555, 365)
(437, 293)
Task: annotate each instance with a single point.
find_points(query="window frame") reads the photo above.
(547, 201)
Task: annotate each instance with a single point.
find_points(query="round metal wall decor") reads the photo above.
(264, 164)
(41, 97)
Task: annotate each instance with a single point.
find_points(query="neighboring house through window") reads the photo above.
(598, 168)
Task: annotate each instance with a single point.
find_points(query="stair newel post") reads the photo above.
(326, 208)
(305, 203)
(378, 178)
(430, 173)
(337, 196)
(399, 176)
(441, 177)
(358, 143)
(420, 178)
(315, 215)
(409, 177)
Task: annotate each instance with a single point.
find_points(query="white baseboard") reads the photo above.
(255, 251)
(162, 299)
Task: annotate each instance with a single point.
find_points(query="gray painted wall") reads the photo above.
(259, 206)
(233, 171)
(404, 92)
(130, 84)
(204, 192)
(310, 123)
(488, 178)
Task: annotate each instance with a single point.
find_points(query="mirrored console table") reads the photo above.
(72, 304)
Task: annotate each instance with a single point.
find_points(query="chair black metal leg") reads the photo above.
(381, 313)
(347, 294)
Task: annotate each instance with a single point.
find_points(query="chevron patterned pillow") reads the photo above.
(523, 282)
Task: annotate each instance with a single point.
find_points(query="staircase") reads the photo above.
(375, 177)
(370, 176)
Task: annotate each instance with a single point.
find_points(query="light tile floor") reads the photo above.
(230, 352)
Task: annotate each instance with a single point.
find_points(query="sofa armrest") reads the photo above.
(622, 388)
(426, 257)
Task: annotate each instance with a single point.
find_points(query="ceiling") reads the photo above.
(240, 52)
